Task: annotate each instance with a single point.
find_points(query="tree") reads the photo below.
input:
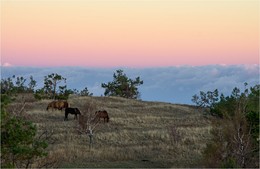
(51, 82)
(122, 86)
(14, 85)
(32, 84)
(64, 93)
(19, 145)
(85, 92)
(206, 99)
(235, 136)
(7, 86)
(20, 87)
(253, 111)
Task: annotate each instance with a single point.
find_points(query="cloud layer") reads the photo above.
(169, 84)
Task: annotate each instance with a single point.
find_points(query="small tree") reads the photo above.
(32, 84)
(207, 99)
(19, 145)
(122, 86)
(7, 86)
(51, 82)
(85, 92)
(20, 84)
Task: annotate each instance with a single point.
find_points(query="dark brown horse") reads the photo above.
(58, 105)
(102, 114)
(71, 110)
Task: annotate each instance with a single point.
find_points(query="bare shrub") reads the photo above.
(19, 109)
(87, 121)
(53, 160)
(47, 134)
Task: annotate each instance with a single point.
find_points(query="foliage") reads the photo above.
(40, 94)
(32, 84)
(235, 136)
(252, 114)
(205, 99)
(85, 92)
(54, 87)
(14, 85)
(7, 86)
(122, 86)
(51, 82)
(19, 145)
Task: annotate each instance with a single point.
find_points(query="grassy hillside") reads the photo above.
(139, 134)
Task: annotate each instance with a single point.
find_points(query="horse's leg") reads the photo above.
(66, 117)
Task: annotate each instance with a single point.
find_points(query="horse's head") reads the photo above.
(77, 111)
(48, 107)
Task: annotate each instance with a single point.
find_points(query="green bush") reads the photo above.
(235, 136)
(19, 144)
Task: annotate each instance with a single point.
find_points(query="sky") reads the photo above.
(130, 33)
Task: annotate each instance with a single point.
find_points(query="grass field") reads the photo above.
(139, 134)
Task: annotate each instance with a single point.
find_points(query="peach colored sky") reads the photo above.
(146, 33)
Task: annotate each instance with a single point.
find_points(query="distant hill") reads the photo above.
(139, 134)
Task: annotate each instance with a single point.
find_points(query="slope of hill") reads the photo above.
(139, 134)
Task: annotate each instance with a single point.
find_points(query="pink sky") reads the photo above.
(143, 33)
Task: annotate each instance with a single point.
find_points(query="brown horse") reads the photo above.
(58, 105)
(102, 114)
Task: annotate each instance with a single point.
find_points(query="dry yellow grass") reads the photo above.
(139, 134)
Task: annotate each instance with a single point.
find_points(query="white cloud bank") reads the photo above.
(170, 84)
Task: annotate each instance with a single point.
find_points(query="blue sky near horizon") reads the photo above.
(166, 84)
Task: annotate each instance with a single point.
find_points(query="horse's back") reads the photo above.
(62, 104)
(102, 114)
(51, 105)
(72, 110)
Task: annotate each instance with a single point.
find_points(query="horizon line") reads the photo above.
(123, 67)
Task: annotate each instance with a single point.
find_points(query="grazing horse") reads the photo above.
(102, 114)
(51, 105)
(71, 110)
(58, 105)
(62, 104)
